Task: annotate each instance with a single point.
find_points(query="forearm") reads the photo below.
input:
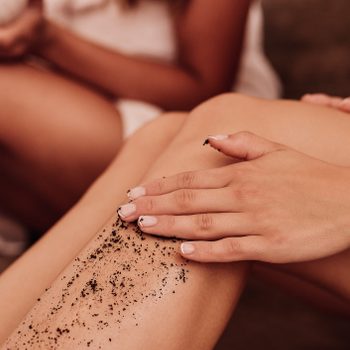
(167, 85)
(127, 282)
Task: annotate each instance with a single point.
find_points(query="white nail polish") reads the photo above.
(187, 248)
(218, 137)
(147, 221)
(136, 192)
(126, 210)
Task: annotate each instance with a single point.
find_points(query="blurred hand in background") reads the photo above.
(20, 35)
(343, 104)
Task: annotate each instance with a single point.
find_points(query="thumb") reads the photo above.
(243, 145)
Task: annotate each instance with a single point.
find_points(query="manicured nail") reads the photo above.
(136, 192)
(147, 221)
(187, 248)
(217, 137)
(126, 210)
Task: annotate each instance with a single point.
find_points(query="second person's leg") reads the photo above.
(56, 137)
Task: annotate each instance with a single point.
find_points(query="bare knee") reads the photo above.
(165, 126)
(225, 113)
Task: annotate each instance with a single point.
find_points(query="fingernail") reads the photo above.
(147, 221)
(126, 210)
(187, 248)
(136, 192)
(218, 137)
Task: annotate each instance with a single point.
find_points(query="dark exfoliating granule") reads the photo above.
(135, 260)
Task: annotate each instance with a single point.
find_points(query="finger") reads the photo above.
(345, 105)
(213, 178)
(182, 202)
(335, 102)
(201, 226)
(323, 100)
(224, 250)
(244, 145)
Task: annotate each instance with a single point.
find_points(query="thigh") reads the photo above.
(55, 125)
(318, 131)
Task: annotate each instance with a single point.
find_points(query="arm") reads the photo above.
(209, 36)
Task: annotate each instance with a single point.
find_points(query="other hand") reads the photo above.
(343, 104)
(19, 36)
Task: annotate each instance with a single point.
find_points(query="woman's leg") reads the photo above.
(319, 132)
(127, 282)
(303, 285)
(42, 263)
(55, 138)
(232, 114)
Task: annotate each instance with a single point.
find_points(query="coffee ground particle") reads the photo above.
(119, 284)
